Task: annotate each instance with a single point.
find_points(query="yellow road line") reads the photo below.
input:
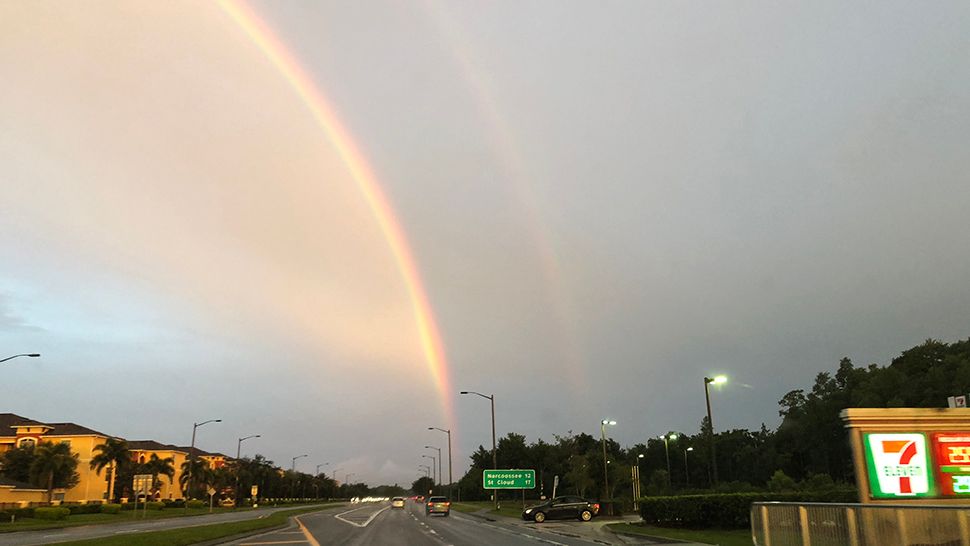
(309, 537)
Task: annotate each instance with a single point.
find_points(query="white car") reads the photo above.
(397, 502)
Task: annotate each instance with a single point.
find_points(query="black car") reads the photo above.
(562, 508)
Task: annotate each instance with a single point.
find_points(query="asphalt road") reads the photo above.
(52, 536)
(378, 524)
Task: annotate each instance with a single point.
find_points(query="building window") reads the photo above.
(27, 442)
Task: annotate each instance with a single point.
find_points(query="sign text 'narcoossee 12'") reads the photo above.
(509, 479)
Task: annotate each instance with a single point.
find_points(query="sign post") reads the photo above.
(141, 485)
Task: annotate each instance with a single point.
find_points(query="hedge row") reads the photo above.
(51, 512)
(726, 510)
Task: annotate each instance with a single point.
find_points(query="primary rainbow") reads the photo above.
(362, 174)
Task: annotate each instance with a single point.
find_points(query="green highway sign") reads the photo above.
(509, 479)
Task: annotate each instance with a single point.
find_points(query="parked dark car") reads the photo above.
(562, 508)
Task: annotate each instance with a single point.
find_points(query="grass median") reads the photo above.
(201, 533)
(721, 537)
(126, 516)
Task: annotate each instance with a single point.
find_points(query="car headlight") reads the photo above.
(529, 511)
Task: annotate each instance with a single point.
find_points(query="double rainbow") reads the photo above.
(321, 110)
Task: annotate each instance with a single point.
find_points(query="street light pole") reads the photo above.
(30, 355)
(293, 469)
(687, 467)
(450, 479)
(238, 451)
(666, 438)
(241, 440)
(606, 474)
(192, 456)
(710, 420)
(494, 448)
(440, 478)
(432, 467)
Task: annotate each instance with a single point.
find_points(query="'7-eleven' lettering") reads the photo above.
(899, 463)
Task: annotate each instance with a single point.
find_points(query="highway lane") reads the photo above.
(377, 524)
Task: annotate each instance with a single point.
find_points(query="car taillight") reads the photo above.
(448, 503)
(596, 507)
(430, 504)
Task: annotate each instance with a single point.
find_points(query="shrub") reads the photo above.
(728, 511)
(51, 513)
(156, 505)
(84, 508)
(818, 482)
(781, 482)
(169, 503)
(110, 508)
(194, 503)
(19, 513)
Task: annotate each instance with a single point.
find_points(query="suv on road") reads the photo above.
(437, 505)
(562, 508)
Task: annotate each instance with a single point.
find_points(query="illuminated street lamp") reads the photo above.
(668, 438)
(490, 397)
(450, 479)
(29, 355)
(606, 474)
(717, 380)
(686, 467)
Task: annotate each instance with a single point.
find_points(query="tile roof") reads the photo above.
(152, 445)
(8, 420)
(73, 429)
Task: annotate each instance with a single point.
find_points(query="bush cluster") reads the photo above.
(51, 512)
(154, 505)
(93, 508)
(726, 511)
(195, 503)
(17, 513)
(110, 508)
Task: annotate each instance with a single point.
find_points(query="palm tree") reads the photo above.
(196, 472)
(114, 454)
(55, 461)
(160, 467)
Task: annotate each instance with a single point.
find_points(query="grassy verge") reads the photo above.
(466, 507)
(721, 537)
(33, 524)
(194, 535)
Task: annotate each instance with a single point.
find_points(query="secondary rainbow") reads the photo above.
(326, 118)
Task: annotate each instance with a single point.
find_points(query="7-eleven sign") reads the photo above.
(899, 465)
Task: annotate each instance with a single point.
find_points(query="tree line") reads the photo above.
(52, 465)
(809, 448)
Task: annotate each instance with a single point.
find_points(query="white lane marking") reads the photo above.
(366, 523)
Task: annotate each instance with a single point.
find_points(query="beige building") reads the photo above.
(142, 451)
(17, 431)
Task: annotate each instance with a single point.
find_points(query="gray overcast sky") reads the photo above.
(605, 202)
